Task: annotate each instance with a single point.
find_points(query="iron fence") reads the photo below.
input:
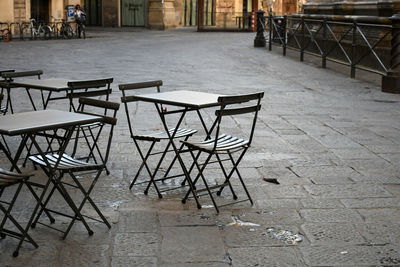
(359, 42)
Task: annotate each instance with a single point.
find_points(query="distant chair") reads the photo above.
(225, 145)
(8, 77)
(151, 138)
(88, 88)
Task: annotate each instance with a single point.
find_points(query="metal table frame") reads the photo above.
(185, 101)
(50, 85)
(32, 124)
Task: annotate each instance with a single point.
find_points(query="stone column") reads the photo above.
(391, 82)
(259, 41)
(171, 16)
(156, 14)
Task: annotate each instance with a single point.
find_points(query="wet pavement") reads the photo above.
(323, 170)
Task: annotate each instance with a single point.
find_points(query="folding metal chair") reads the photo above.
(89, 88)
(224, 146)
(72, 166)
(8, 179)
(8, 77)
(151, 138)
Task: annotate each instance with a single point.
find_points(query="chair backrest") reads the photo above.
(9, 75)
(102, 107)
(5, 71)
(128, 96)
(232, 106)
(88, 88)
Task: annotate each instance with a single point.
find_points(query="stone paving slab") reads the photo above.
(184, 244)
(331, 142)
(263, 256)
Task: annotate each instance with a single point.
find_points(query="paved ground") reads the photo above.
(331, 142)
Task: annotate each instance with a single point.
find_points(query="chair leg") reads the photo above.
(227, 178)
(86, 197)
(144, 160)
(39, 201)
(71, 203)
(144, 163)
(235, 165)
(200, 174)
(23, 232)
(152, 176)
(174, 160)
(44, 209)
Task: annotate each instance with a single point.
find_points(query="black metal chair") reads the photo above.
(224, 145)
(8, 77)
(8, 179)
(89, 88)
(151, 138)
(72, 166)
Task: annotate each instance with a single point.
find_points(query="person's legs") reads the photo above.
(79, 28)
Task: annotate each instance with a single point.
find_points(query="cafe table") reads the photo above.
(51, 86)
(31, 125)
(182, 101)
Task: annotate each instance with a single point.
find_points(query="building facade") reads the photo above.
(154, 14)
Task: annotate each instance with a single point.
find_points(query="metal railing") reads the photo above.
(359, 42)
(23, 30)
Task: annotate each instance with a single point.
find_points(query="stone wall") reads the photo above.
(110, 13)
(385, 8)
(20, 10)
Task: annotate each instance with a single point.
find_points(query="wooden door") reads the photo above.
(40, 10)
(133, 13)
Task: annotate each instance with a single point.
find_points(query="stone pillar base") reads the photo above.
(162, 15)
(156, 15)
(258, 42)
(391, 84)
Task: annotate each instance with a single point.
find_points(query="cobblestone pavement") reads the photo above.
(331, 142)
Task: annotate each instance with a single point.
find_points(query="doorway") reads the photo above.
(133, 13)
(93, 9)
(40, 10)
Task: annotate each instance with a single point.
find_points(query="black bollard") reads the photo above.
(259, 41)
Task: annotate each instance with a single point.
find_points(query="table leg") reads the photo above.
(171, 138)
(30, 97)
(47, 100)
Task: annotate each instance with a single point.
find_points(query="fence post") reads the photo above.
(270, 29)
(303, 37)
(324, 43)
(353, 51)
(284, 35)
(259, 41)
(391, 81)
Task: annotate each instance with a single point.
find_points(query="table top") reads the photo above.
(190, 99)
(33, 121)
(51, 84)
